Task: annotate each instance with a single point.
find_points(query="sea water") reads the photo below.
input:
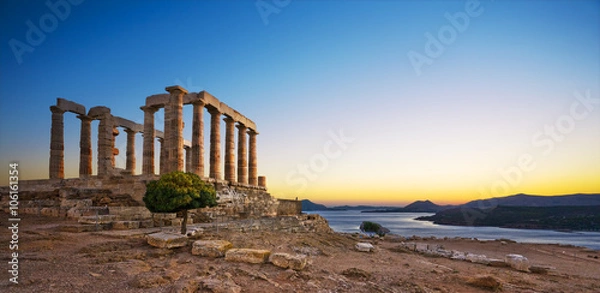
(405, 224)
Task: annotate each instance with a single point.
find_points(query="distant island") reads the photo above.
(574, 212)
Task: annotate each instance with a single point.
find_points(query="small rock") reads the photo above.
(217, 286)
(517, 262)
(95, 275)
(247, 255)
(284, 260)
(167, 240)
(364, 247)
(211, 248)
(147, 281)
(356, 273)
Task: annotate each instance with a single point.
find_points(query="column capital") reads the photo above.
(213, 110)
(199, 103)
(174, 89)
(84, 117)
(252, 132)
(228, 119)
(187, 147)
(57, 110)
(129, 130)
(241, 126)
(149, 109)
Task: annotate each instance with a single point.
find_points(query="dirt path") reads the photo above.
(53, 261)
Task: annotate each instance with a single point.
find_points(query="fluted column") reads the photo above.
(105, 144)
(85, 146)
(148, 151)
(215, 143)
(130, 153)
(229, 149)
(197, 158)
(174, 129)
(57, 144)
(115, 151)
(188, 159)
(252, 163)
(242, 165)
(163, 156)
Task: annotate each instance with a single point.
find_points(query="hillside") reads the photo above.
(308, 206)
(579, 218)
(525, 200)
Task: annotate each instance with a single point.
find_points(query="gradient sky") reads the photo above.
(506, 103)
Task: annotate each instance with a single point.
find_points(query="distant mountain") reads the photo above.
(419, 206)
(525, 200)
(308, 206)
(579, 218)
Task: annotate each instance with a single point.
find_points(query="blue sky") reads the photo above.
(313, 68)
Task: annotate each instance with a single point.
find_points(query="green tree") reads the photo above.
(179, 192)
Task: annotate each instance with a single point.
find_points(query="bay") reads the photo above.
(405, 225)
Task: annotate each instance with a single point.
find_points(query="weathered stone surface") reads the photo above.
(100, 219)
(486, 282)
(219, 286)
(247, 255)
(167, 240)
(517, 262)
(364, 247)
(288, 261)
(125, 225)
(495, 262)
(477, 258)
(211, 248)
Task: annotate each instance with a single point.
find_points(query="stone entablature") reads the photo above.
(174, 149)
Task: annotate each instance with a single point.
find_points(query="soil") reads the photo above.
(121, 261)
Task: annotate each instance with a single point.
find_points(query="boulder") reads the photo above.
(364, 247)
(211, 248)
(247, 255)
(477, 258)
(288, 261)
(167, 240)
(517, 262)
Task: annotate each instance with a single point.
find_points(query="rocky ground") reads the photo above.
(122, 261)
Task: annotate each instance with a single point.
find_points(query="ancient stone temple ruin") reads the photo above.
(242, 193)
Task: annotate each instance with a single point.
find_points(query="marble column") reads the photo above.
(148, 150)
(262, 181)
(57, 144)
(188, 159)
(115, 151)
(174, 129)
(85, 146)
(105, 144)
(252, 164)
(197, 158)
(229, 149)
(130, 153)
(242, 165)
(163, 156)
(215, 143)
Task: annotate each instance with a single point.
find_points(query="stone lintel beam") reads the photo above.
(125, 123)
(69, 106)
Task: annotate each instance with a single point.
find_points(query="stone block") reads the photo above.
(247, 255)
(146, 224)
(517, 262)
(125, 225)
(167, 240)
(364, 247)
(288, 261)
(211, 248)
(100, 219)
